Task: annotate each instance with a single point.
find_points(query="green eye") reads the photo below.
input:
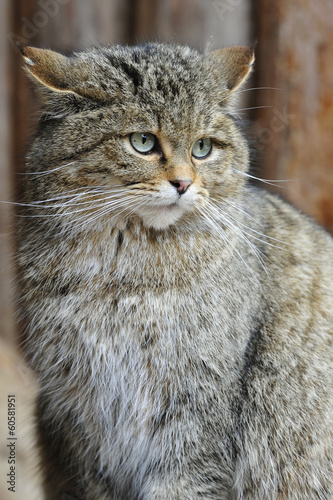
(202, 148)
(143, 143)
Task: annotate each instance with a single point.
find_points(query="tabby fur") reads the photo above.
(182, 342)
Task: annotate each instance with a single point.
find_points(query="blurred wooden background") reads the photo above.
(291, 132)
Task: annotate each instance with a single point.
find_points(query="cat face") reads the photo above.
(147, 132)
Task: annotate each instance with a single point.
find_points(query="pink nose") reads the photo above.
(181, 185)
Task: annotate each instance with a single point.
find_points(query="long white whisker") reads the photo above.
(72, 203)
(72, 194)
(224, 236)
(254, 107)
(45, 172)
(258, 88)
(232, 221)
(137, 205)
(107, 196)
(66, 194)
(63, 214)
(262, 234)
(271, 182)
(237, 230)
(239, 209)
(105, 208)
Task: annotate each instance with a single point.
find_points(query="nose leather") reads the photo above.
(181, 185)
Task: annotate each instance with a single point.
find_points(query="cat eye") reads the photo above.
(202, 148)
(143, 142)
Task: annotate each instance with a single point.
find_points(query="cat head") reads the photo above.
(149, 130)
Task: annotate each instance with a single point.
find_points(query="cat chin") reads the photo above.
(162, 218)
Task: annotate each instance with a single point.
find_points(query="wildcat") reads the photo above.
(179, 320)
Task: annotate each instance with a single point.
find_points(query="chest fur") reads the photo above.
(147, 338)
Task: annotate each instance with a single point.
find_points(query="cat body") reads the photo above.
(179, 320)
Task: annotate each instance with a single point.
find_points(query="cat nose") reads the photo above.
(181, 185)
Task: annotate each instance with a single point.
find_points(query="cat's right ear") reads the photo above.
(60, 80)
(48, 68)
(55, 82)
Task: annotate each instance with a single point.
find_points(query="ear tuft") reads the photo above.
(234, 64)
(28, 61)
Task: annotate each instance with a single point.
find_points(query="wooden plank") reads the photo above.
(15, 378)
(79, 24)
(193, 22)
(294, 135)
(6, 275)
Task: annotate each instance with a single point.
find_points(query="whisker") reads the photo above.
(45, 172)
(105, 204)
(254, 107)
(239, 209)
(137, 204)
(260, 234)
(258, 88)
(237, 230)
(64, 214)
(39, 202)
(117, 194)
(92, 190)
(72, 200)
(69, 195)
(224, 237)
(271, 182)
(105, 208)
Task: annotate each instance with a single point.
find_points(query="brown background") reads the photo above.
(291, 132)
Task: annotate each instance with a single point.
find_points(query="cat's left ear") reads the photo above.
(233, 64)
